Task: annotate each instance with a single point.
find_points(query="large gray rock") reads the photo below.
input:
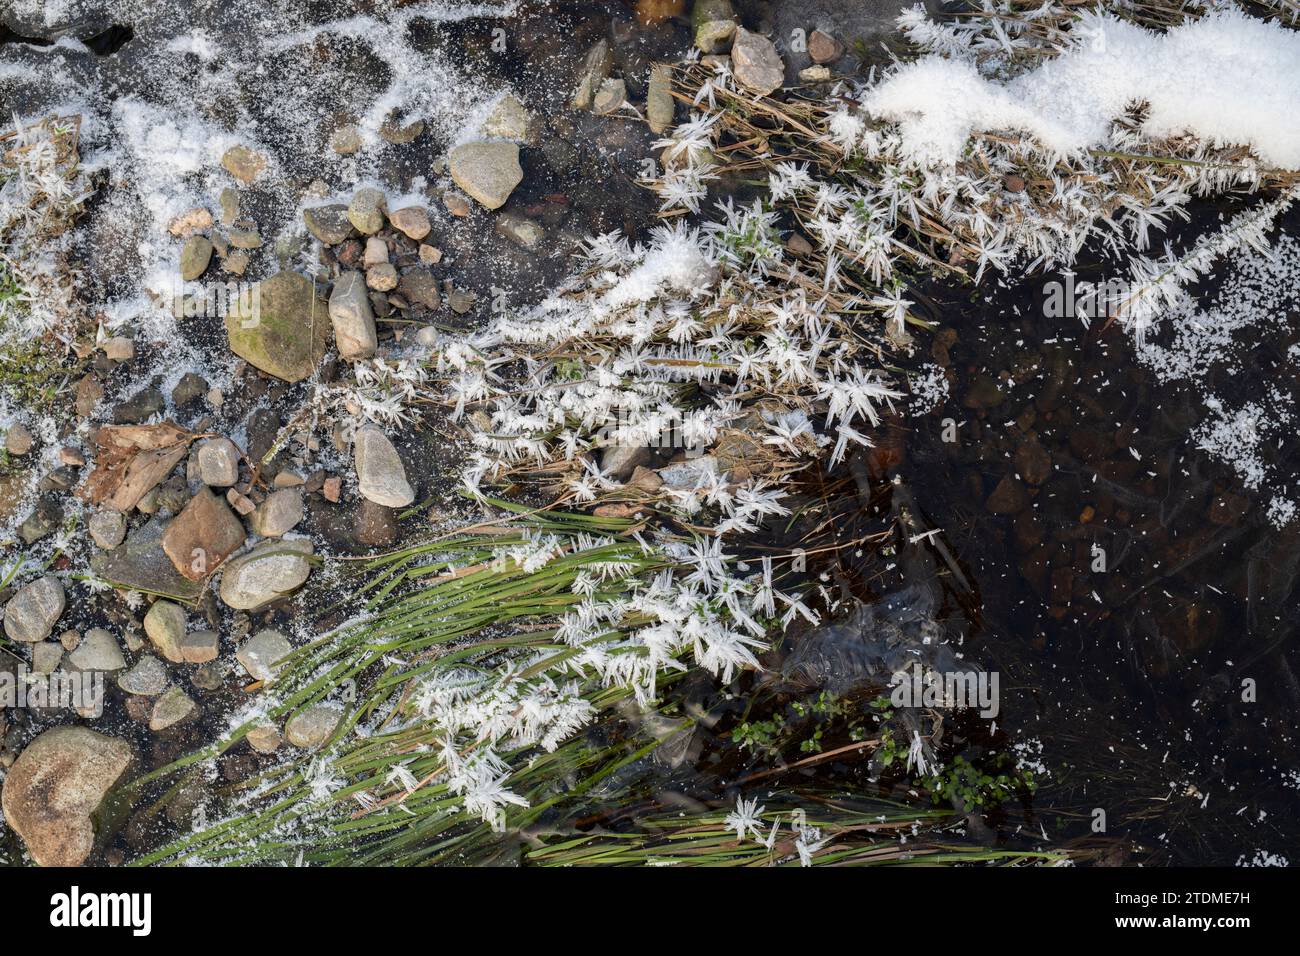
(267, 573)
(56, 785)
(143, 565)
(31, 613)
(619, 461)
(489, 172)
(284, 330)
(756, 64)
(352, 317)
(380, 472)
(98, 651)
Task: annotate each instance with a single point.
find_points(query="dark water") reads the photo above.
(1132, 677)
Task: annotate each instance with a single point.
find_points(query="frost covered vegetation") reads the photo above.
(42, 190)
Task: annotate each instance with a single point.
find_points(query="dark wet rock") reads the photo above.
(141, 564)
(984, 392)
(1033, 462)
(375, 525)
(488, 172)
(1008, 498)
(139, 407)
(52, 21)
(63, 478)
(1027, 531)
(41, 523)
(286, 335)
(1090, 446)
(419, 287)
(328, 223)
(189, 389)
(1228, 509)
(54, 788)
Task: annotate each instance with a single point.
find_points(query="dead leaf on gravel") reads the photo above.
(132, 459)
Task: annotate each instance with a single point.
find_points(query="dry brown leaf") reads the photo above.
(132, 459)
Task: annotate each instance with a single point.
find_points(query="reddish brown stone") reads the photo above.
(824, 48)
(204, 534)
